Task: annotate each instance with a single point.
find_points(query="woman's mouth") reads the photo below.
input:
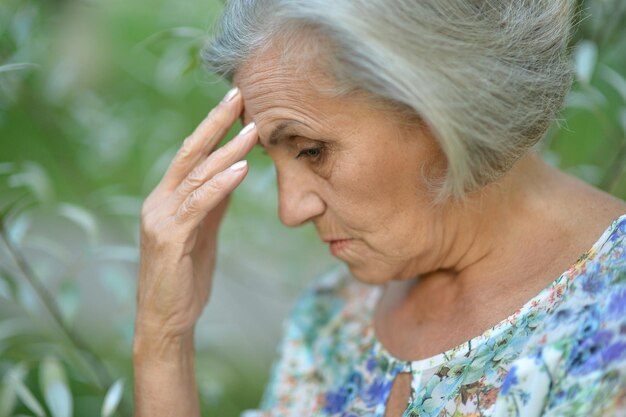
(339, 245)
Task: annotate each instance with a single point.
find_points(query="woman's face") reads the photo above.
(354, 171)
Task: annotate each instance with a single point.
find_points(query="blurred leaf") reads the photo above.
(551, 157)
(615, 79)
(194, 60)
(8, 397)
(5, 290)
(10, 327)
(17, 67)
(177, 32)
(589, 99)
(153, 176)
(69, 299)
(27, 298)
(7, 167)
(126, 253)
(34, 177)
(50, 247)
(53, 383)
(168, 71)
(212, 390)
(588, 173)
(16, 207)
(112, 398)
(8, 286)
(117, 280)
(82, 217)
(18, 228)
(23, 393)
(23, 22)
(124, 205)
(585, 59)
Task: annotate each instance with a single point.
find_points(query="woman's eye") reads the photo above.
(310, 153)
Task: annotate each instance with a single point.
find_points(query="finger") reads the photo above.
(204, 139)
(205, 198)
(218, 161)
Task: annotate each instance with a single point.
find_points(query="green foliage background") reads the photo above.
(95, 97)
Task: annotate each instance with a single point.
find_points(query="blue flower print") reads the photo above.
(510, 380)
(336, 401)
(614, 352)
(592, 284)
(587, 356)
(617, 305)
(618, 232)
(377, 392)
(371, 363)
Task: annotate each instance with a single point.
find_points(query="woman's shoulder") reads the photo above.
(596, 284)
(575, 361)
(586, 327)
(601, 270)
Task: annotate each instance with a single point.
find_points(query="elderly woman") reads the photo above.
(481, 280)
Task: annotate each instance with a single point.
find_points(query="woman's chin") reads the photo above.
(376, 272)
(369, 274)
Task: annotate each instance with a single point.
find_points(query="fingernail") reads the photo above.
(238, 166)
(247, 129)
(231, 93)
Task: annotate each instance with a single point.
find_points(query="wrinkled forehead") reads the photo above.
(298, 86)
(274, 83)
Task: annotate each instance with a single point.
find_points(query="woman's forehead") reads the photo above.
(273, 90)
(272, 101)
(276, 91)
(271, 79)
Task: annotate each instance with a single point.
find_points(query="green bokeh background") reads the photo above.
(95, 98)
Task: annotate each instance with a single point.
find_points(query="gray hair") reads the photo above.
(488, 77)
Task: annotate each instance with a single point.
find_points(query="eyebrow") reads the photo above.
(278, 133)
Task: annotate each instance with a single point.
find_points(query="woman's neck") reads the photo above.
(516, 236)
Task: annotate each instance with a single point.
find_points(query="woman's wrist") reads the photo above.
(152, 345)
(164, 375)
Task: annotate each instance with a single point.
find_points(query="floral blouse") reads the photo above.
(562, 354)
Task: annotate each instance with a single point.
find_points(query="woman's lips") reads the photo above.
(337, 246)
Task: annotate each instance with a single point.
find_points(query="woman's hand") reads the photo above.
(180, 220)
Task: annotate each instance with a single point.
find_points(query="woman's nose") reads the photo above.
(298, 201)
